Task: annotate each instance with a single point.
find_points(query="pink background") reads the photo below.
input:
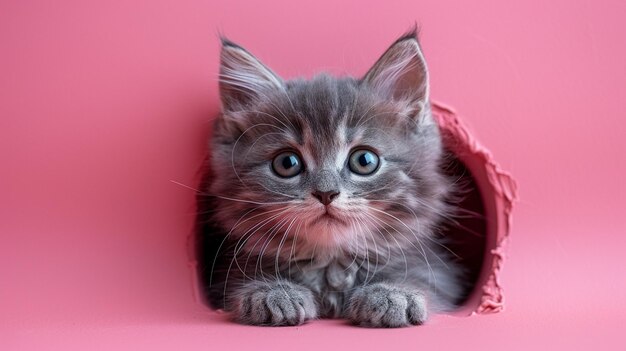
(103, 103)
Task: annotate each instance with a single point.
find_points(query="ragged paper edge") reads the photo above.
(504, 188)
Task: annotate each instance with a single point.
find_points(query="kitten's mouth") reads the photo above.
(330, 216)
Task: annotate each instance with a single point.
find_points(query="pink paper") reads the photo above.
(498, 190)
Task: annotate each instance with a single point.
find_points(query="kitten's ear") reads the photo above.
(401, 72)
(243, 78)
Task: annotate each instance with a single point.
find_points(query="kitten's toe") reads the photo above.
(275, 305)
(382, 305)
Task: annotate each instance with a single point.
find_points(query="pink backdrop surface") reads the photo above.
(103, 103)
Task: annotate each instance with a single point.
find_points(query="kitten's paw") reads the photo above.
(383, 305)
(274, 304)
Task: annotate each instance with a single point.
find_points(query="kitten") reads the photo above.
(324, 197)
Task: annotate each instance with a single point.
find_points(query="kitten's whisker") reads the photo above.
(293, 108)
(313, 252)
(269, 230)
(399, 246)
(245, 156)
(285, 131)
(272, 234)
(239, 222)
(238, 249)
(293, 245)
(356, 251)
(253, 202)
(282, 241)
(418, 241)
(386, 186)
(376, 250)
(278, 192)
(232, 154)
(445, 214)
(354, 102)
(280, 245)
(358, 122)
(185, 186)
(365, 248)
(293, 128)
(387, 258)
(427, 237)
(472, 213)
(386, 224)
(367, 256)
(361, 123)
(224, 240)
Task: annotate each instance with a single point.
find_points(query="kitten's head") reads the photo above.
(327, 165)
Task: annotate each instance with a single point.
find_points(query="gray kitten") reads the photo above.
(324, 197)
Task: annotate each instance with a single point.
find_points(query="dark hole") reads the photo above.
(466, 233)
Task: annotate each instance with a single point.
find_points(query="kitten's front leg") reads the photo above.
(273, 303)
(386, 305)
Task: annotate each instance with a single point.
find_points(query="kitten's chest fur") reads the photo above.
(331, 281)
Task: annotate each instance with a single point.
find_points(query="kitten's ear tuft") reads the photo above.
(401, 72)
(243, 78)
(412, 33)
(227, 42)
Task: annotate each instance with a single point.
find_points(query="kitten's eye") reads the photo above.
(287, 164)
(363, 162)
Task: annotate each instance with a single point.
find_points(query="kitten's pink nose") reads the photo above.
(325, 197)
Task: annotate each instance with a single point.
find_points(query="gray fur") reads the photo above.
(276, 303)
(376, 258)
(386, 305)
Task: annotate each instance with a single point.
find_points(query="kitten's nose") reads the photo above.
(325, 197)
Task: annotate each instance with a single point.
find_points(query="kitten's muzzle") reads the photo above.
(325, 197)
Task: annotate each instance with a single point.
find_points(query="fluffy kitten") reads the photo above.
(323, 197)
